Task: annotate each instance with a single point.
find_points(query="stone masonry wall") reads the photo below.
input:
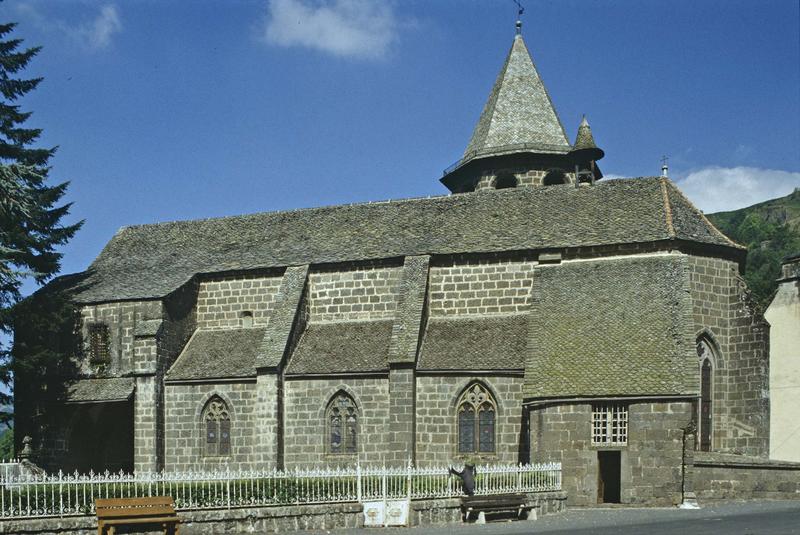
(222, 300)
(436, 418)
(719, 477)
(740, 408)
(651, 462)
(365, 293)
(488, 285)
(305, 437)
(525, 177)
(185, 431)
(121, 319)
(281, 519)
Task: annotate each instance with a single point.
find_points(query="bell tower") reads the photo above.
(519, 139)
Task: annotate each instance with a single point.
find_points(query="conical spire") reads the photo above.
(584, 139)
(519, 113)
(585, 154)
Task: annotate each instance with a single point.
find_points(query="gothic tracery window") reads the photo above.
(342, 424)
(705, 355)
(476, 420)
(217, 422)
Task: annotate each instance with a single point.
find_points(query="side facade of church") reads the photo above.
(535, 314)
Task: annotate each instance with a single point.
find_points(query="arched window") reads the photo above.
(217, 422)
(476, 411)
(342, 422)
(705, 354)
(554, 176)
(506, 180)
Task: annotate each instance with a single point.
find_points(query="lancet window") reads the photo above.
(342, 424)
(476, 411)
(705, 355)
(217, 422)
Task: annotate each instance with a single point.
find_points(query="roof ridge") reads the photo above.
(359, 320)
(490, 106)
(667, 209)
(547, 94)
(465, 317)
(509, 191)
(699, 212)
(182, 353)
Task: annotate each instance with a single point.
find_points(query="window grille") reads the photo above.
(342, 421)
(217, 426)
(476, 420)
(98, 343)
(609, 424)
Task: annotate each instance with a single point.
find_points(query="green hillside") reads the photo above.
(771, 231)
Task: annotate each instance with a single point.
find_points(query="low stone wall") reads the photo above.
(720, 477)
(280, 519)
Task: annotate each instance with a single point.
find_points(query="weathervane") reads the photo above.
(520, 11)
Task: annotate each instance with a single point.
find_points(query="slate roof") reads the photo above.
(475, 343)
(611, 327)
(150, 261)
(340, 347)
(100, 389)
(147, 328)
(218, 354)
(519, 111)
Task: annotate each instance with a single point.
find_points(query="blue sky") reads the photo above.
(179, 110)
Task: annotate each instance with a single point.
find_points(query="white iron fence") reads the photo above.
(74, 494)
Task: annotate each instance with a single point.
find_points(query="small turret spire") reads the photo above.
(664, 166)
(585, 153)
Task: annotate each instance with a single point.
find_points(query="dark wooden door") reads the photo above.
(608, 480)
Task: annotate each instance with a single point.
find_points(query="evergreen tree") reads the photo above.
(30, 214)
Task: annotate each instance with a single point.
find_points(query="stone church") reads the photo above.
(535, 313)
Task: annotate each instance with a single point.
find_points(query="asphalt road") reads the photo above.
(745, 518)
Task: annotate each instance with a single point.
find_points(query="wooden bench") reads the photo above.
(114, 512)
(497, 503)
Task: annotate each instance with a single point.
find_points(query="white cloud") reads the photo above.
(719, 189)
(92, 34)
(362, 29)
(97, 33)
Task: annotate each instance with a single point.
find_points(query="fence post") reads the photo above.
(408, 481)
(519, 477)
(383, 482)
(228, 484)
(60, 494)
(296, 485)
(358, 482)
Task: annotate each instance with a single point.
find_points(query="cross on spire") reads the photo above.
(520, 11)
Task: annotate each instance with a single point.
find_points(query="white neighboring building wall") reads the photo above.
(783, 314)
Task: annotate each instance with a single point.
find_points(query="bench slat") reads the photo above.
(153, 520)
(122, 512)
(128, 502)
